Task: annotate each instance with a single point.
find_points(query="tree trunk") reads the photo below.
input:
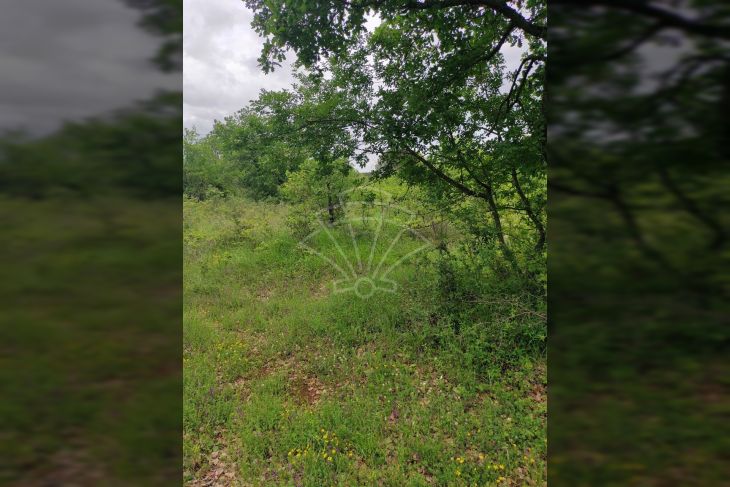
(330, 206)
(530, 213)
(489, 197)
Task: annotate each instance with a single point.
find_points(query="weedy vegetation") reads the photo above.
(298, 371)
(288, 383)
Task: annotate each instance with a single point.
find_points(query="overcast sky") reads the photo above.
(71, 59)
(220, 68)
(220, 52)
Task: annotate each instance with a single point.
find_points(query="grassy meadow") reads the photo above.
(287, 382)
(87, 342)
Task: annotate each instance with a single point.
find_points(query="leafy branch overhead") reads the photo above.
(433, 93)
(447, 96)
(316, 29)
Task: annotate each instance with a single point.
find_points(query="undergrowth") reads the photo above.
(287, 382)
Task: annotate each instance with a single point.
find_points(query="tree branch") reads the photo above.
(462, 72)
(666, 17)
(499, 6)
(442, 175)
(528, 209)
(691, 207)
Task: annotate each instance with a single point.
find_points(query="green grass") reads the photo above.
(289, 383)
(638, 362)
(87, 342)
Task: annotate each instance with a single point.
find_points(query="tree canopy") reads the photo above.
(447, 96)
(432, 95)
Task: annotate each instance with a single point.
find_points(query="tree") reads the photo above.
(260, 142)
(275, 134)
(206, 171)
(433, 96)
(316, 30)
(321, 182)
(319, 185)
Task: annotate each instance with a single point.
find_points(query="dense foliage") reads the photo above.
(638, 151)
(127, 152)
(442, 108)
(283, 350)
(427, 93)
(439, 383)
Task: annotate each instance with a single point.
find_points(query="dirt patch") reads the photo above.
(72, 466)
(306, 390)
(242, 383)
(221, 471)
(264, 295)
(321, 290)
(538, 390)
(538, 393)
(394, 415)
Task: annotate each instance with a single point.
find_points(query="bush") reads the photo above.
(490, 321)
(300, 222)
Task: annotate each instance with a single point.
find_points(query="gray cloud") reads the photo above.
(73, 59)
(220, 67)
